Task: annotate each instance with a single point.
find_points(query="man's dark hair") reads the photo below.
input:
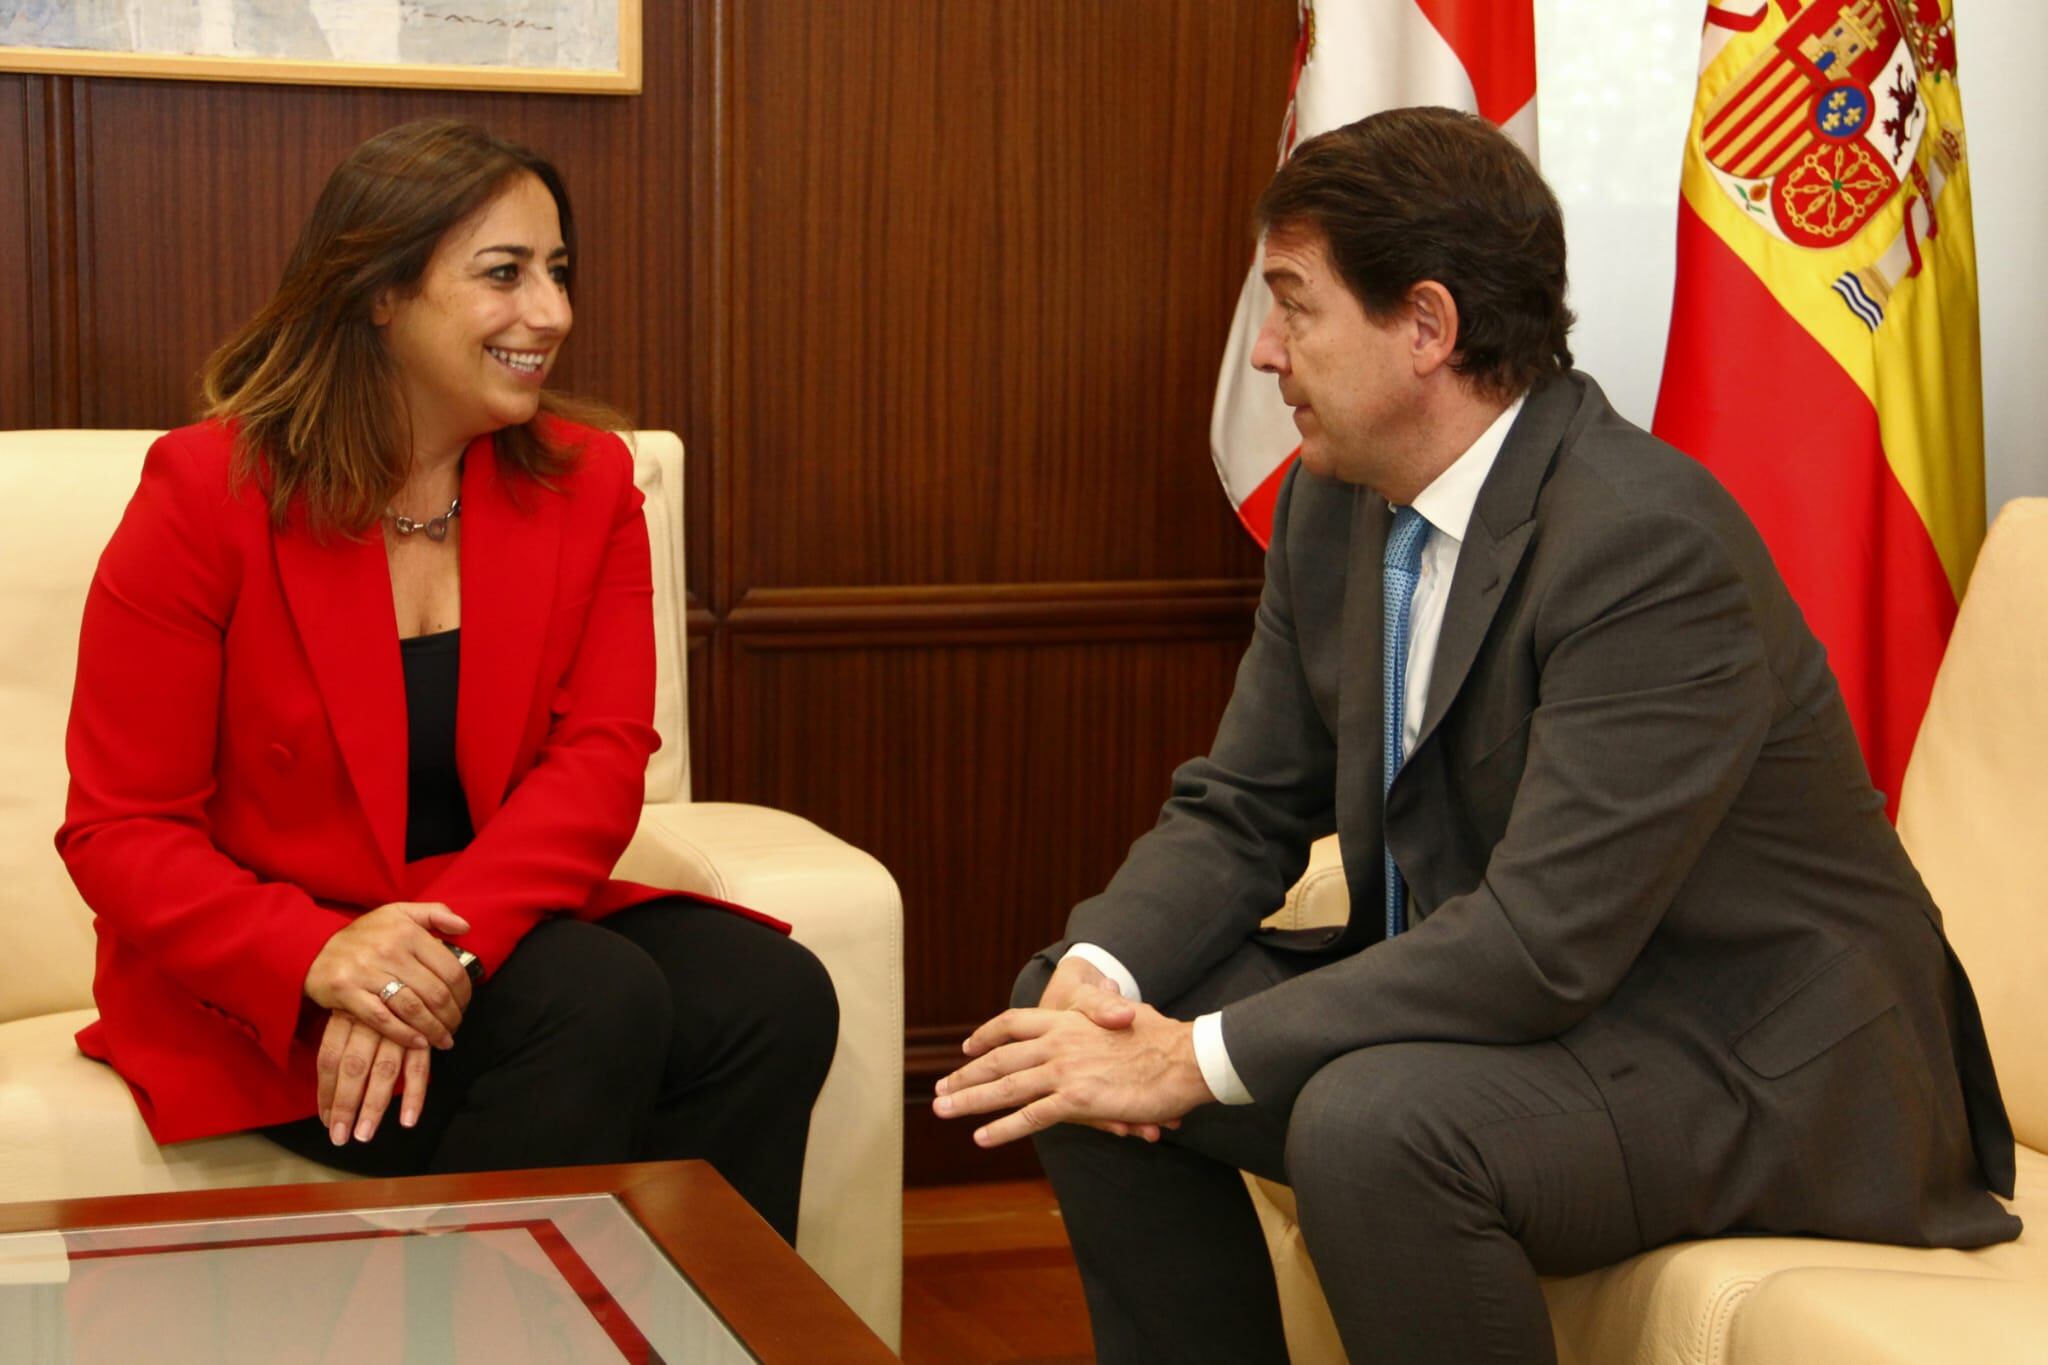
(1432, 194)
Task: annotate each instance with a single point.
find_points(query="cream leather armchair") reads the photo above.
(1973, 812)
(68, 1127)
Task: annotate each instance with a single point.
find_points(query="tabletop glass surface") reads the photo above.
(500, 1283)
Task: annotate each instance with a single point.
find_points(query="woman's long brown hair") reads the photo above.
(308, 380)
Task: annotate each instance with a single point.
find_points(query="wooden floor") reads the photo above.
(988, 1278)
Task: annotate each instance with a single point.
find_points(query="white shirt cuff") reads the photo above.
(1105, 962)
(1214, 1059)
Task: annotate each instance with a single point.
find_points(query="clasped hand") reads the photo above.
(370, 1043)
(1085, 1055)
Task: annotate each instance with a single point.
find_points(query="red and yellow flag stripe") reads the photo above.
(1823, 358)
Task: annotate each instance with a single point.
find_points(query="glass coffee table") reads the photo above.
(649, 1263)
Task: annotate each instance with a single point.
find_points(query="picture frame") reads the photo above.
(266, 41)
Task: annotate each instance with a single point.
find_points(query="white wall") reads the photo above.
(1615, 86)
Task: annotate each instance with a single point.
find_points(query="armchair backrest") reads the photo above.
(61, 495)
(1974, 808)
(658, 470)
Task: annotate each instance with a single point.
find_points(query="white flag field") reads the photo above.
(1354, 58)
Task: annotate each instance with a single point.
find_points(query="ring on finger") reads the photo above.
(391, 988)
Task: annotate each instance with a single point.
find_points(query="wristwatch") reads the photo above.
(471, 963)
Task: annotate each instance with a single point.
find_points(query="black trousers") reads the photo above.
(666, 1031)
(1435, 1182)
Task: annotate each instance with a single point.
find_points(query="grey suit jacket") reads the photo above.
(1636, 821)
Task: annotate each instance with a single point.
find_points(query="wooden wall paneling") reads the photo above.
(50, 131)
(1000, 783)
(999, 771)
(697, 651)
(19, 165)
(712, 405)
(989, 253)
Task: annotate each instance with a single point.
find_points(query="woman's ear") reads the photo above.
(382, 307)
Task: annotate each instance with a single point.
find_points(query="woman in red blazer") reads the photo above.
(363, 710)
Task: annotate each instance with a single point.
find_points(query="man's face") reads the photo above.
(1350, 380)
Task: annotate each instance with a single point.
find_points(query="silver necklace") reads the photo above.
(435, 527)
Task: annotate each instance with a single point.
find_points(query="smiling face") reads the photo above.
(475, 340)
(1351, 380)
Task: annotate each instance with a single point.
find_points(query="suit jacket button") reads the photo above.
(279, 756)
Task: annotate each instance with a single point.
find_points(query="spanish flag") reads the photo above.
(1823, 358)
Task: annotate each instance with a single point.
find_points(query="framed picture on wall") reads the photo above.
(583, 46)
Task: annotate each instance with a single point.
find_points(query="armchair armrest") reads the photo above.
(843, 906)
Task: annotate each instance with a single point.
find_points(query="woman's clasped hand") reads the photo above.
(376, 1035)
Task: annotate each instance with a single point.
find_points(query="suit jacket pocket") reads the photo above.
(1487, 782)
(1502, 750)
(1827, 1007)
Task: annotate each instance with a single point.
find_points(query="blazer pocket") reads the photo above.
(1499, 764)
(1514, 738)
(1833, 1003)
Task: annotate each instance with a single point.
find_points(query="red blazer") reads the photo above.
(238, 755)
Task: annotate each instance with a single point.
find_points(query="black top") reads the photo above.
(437, 813)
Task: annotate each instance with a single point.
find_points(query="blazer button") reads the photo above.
(279, 756)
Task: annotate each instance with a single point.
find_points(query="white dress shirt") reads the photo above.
(1447, 506)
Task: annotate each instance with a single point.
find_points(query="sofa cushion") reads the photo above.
(70, 1130)
(61, 494)
(1888, 1317)
(1974, 802)
(1681, 1304)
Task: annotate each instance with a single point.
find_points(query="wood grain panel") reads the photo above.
(988, 613)
(1000, 783)
(697, 658)
(988, 252)
(18, 164)
(52, 252)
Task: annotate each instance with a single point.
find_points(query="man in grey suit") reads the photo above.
(1633, 953)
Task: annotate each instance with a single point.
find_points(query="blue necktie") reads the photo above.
(1402, 568)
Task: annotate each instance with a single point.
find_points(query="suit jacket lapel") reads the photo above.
(1359, 705)
(339, 594)
(1485, 566)
(1496, 538)
(511, 538)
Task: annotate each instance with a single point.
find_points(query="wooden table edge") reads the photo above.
(708, 1232)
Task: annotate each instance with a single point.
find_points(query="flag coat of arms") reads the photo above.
(1823, 358)
(1353, 58)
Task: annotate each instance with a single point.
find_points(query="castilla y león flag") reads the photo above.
(1824, 353)
(1353, 58)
